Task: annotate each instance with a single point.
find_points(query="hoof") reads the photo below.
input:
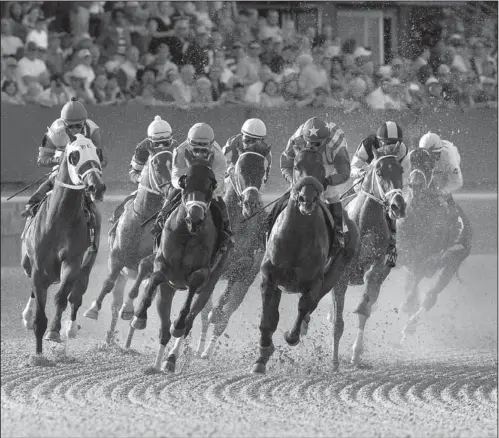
(151, 370)
(291, 341)
(110, 337)
(53, 336)
(126, 312)
(336, 367)
(259, 368)
(170, 363)
(138, 323)
(177, 333)
(72, 330)
(204, 355)
(92, 312)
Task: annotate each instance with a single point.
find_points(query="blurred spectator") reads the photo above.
(364, 65)
(163, 91)
(137, 16)
(84, 65)
(54, 58)
(96, 18)
(217, 42)
(98, 87)
(127, 71)
(116, 36)
(217, 86)
(270, 96)
(33, 90)
(203, 14)
(487, 95)
(225, 24)
(56, 94)
(397, 70)
(254, 91)
(79, 18)
(11, 44)
(77, 80)
(310, 76)
(422, 59)
(271, 28)
(348, 49)
(450, 91)
(197, 52)
(289, 67)
(290, 89)
(10, 71)
(478, 57)
(220, 61)
(338, 80)
(162, 62)
(39, 34)
(236, 55)
(204, 94)
(355, 93)
(289, 33)
(30, 19)
(10, 93)
(267, 53)
(434, 93)
(31, 65)
(183, 88)
(164, 14)
(277, 61)
(415, 98)
(460, 60)
(249, 66)
(16, 20)
(383, 98)
(236, 96)
(114, 95)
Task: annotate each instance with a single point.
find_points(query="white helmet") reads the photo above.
(254, 128)
(431, 142)
(159, 130)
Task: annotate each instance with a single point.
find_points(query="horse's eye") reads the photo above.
(301, 198)
(378, 172)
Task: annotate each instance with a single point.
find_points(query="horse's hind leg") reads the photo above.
(411, 301)
(164, 306)
(70, 272)
(338, 323)
(375, 277)
(271, 297)
(146, 267)
(117, 303)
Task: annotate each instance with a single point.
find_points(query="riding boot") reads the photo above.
(121, 208)
(278, 207)
(92, 219)
(227, 240)
(453, 214)
(336, 211)
(37, 197)
(391, 252)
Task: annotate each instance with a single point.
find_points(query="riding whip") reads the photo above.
(29, 185)
(263, 208)
(348, 191)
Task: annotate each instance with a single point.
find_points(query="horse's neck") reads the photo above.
(146, 201)
(63, 198)
(231, 199)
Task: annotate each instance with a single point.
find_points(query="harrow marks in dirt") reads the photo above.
(98, 389)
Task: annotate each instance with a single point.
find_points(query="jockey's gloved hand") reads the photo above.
(326, 182)
(182, 181)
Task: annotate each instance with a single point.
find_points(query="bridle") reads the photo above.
(93, 168)
(236, 183)
(427, 183)
(383, 198)
(154, 186)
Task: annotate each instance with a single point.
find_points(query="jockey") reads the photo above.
(331, 141)
(447, 177)
(201, 145)
(74, 120)
(159, 137)
(388, 136)
(251, 139)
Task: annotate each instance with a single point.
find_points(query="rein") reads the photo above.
(385, 198)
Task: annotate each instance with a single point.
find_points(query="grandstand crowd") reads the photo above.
(208, 54)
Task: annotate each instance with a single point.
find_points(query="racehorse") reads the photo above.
(187, 258)
(427, 243)
(243, 200)
(380, 194)
(302, 254)
(56, 240)
(130, 242)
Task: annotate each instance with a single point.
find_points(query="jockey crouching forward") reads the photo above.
(251, 139)
(159, 138)
(388, 137)
(330, 140)
(200, 145)
(447, 177)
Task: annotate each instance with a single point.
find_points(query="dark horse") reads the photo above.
(187, 258)
(380, 194)
(57, 239)
(130, 242)
(243, 200)
(428, 243)
(302, 254)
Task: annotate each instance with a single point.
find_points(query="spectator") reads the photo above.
(397, 70)
(489, 69)
(127, 71)
(383, 98)
(39, 34)
(364, 65)
(220, 61)
(98, 87)
(270, 96)
(33, 90)
(30, 19)
(249, 66)
(319, 99)
(289, 56)
(478, 57)
(235, 57)
(486, 96)
(310, 76)
(10, 93)
(277, 61)
(116, 36)
(79, 18)
(11, 44)
(338, 80)
(254, 91)
(217, 86)
(31, 65)
(415, 99)
(197, 52)
(289, 33)
(202, 14)
(77, 80)
(137, 16)
(162, 62)
(217, 42)
(114, 95)
(204, 95)
(163, 16)
(225, 24)
(460, 60)
(434, 93)
(54, 59)
(290, 89)
(84, 66)
(16, 19)
(163, 91)
(450, 92)
(267, 52)
(236, 96)
(348, 49)
(355, 93)
(183, 88)
(56, 94)
(271, 28)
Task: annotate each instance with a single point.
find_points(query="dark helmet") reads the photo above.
(389, 132)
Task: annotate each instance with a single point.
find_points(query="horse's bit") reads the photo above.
(385, 198)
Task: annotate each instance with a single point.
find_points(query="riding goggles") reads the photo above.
(249, 140)
(78, 126)
(165, 142)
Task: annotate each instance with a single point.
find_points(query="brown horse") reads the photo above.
(187, 258)
(302, 254)
(427, 242)
(243, 200)
(131, 242)
(57, 239)
(380, 194)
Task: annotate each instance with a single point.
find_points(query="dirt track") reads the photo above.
(443, 384)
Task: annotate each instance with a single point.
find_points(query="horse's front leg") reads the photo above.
(338, 324)
(29, 311)
(271, 297)
(374, 278)
(40, 286)
(205, 323)
(158, 277)
(69, 274)
(146, 267)
(411, 301)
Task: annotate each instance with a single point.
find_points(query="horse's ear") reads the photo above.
(74, 157)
